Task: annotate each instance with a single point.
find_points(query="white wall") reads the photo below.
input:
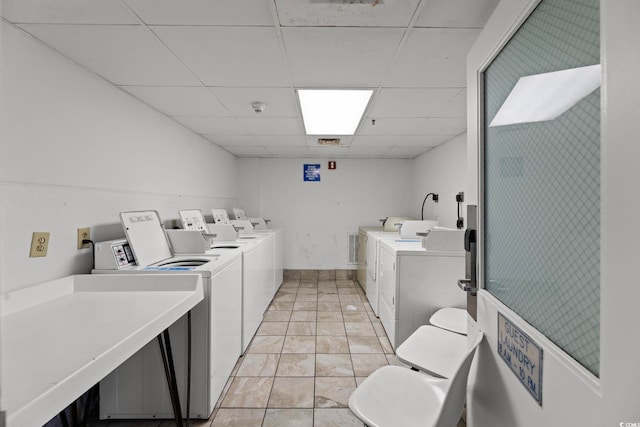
(75, 151)
(572, 396)
(442, 170)
(317, 216)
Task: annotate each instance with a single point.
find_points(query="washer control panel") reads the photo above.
(114, 255)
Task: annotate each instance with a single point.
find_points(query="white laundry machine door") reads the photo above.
(387, 282)
(371, 277)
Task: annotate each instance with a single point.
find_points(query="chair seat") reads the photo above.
(395, 396)
(451, 319)
(434, 350)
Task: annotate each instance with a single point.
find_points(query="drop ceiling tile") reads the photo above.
(282, 140)
(203, 12)
(248, 151)
(280, 102)
(422, 140)
(413, 102)
(389, 126)
(367, 152)
(122, 54)
(229, 56)
(179, 101)
(271, 125)
(329, 152)
(66, 12)
(390, 13)
(405, 152)
(441, 126)
(364, 141)
(212, 125)
(433, 58)
(339, 57)
(456, 13)
(233, 140)
(289, 152)
(457, 107)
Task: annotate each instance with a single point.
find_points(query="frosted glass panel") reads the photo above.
(542, 182)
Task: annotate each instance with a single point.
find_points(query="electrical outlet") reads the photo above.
(39, 244)
(83, 234)
(460, 197)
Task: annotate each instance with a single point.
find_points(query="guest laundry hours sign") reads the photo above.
(311, 172)
(522, 355)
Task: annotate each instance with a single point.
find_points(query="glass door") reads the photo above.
(540, 172)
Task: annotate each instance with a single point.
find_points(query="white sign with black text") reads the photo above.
(522, 355)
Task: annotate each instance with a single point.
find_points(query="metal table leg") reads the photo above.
(164, 342)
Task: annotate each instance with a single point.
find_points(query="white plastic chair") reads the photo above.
(450, 318)
(433, 350)
(394, 396)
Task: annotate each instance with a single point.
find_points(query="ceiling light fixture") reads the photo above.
(332, 112)
(543, 97)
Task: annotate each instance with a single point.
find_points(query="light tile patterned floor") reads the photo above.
(318, 341)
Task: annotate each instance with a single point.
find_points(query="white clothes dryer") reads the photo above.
(415, 282)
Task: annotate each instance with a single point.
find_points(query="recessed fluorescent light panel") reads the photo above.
(332, 112)
(542, 97)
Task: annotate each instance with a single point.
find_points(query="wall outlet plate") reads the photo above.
(83, 234)
(39, 244)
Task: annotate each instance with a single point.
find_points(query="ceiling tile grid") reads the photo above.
(203, 12)
(204, 62)
(121, 54)
(433, 57)
(228, 56)
(180, 101)
(340, 57)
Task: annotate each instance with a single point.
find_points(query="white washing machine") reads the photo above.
(260, 226)
(415, 282)
(258, 287)
(258, 264)
(137, 389)
(278, 254)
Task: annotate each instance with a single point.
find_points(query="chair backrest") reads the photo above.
(455, 397)
(451, 319)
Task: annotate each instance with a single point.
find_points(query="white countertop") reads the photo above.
(61, 337)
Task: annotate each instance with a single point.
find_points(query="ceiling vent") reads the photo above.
(328, 141)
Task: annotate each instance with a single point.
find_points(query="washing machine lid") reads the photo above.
(146, 236)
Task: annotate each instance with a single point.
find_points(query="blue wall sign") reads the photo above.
(312, 172)
(522, 355)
